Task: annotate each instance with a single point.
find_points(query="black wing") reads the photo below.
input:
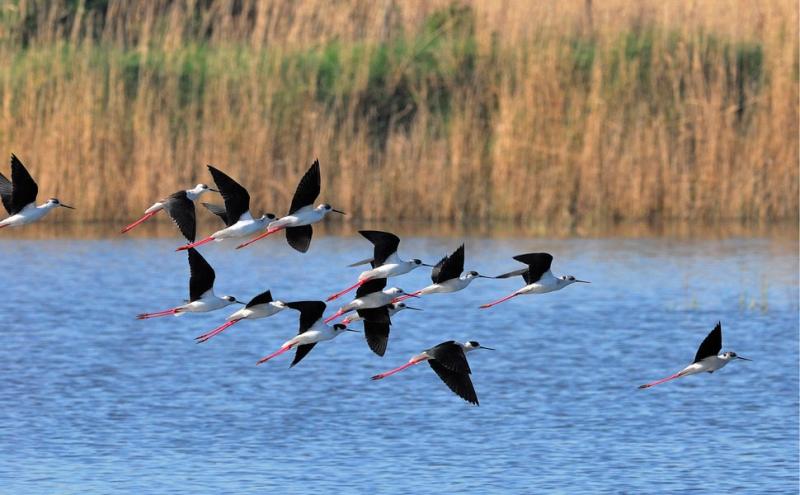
(220, 212)
(302, 351)
(711, 345)
(299, 237)
(181, 210)
(308, 189)
(538, 265)
(263, 298)
(385, 244)
(201, 278)
(373, 285)
(20, 191)
(237, 199)
(377, 335)
(451, 355)
(310, 312)
(521, 271)
(449, 267)
(459, 383)
(362, 262)
(378, 315)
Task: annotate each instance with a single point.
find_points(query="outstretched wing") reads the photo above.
(374, 285)
(711, 345)
(299, 237)
(451, 355)
(220, 212)
(201, 278)
(385, 244)
(310, 312)
(263, 298)
(237, 199)
(459, 383)
(302, 351)
(23, 188)
(538, 265)
(181, 210)
(6, 193)
(308, 189)
(376, 328)
(449, 267)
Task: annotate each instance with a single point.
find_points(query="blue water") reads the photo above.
(94, 401)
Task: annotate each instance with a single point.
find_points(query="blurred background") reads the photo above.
(577, 113)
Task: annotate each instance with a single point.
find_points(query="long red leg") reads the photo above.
(648, 385)
(354, 286)
(166, 312)
(2, 226)
(407, 296)
(397, 370)
(137, 222)
(276, 353)
(195, 244)
(334, 316)
(489, 305)
(216, 331)
(265, 234)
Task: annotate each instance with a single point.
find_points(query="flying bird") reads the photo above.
(449, 361)
(302, 213)
(446, 276)
(180, 208)
(369, 295)
(384, 261)
(538, 277)
(312, 330)
(261, 306)
(707, 358)
(376, 324)
(236, 213)
(201, 291)
(19, 197)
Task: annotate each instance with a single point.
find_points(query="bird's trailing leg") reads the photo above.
(407, 296)
(195, 244)
(141, 220)
(166, 312)
(676, 375)
(216, 331)
(489, 305)
(334, 316)
(265, 234)
(274, 354)
(354, 286)
(399, 369)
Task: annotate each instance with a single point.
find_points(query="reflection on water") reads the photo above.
(96, 401)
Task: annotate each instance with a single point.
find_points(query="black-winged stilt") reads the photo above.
(377, 322)
(19, 197)
(446, 276)
(261, 306)
(180, 208)
(369, 295)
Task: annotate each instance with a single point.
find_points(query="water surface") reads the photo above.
(95, 401)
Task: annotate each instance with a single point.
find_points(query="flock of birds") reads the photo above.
(374, 304)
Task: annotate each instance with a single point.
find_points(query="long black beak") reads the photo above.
(240, 302)
(410, 295)
(67, 206)
(487, 348)
(213, 190)
(338, 211)
(484, 276)
(351, 330)
(415, 309)
(743, 359)
(583, 281)
(425, 264)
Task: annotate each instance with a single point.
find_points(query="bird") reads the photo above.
(302, 213)
(446, 276)
(384, 261)
(707, 358)
(261, 306)
(19, 197)
(376, 324)
(370, 295)
(311, 331)
(201, 291)
(449, 361)
(180, 208)
(537, 276)
(236, 214)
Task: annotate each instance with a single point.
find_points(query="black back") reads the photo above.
(263, 298)
(459, 383)
(301, 352)
(449, 267)
(538, 265)
(374, 285)
(385, 245)
(308, 189)
(299, 237)
(201, 277)
(237, 199)
(218, 211)
(181, 210)
(451, 355)
(20, 191)
(310, 312)
(711, 345)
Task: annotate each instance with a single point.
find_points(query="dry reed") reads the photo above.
(572, 111)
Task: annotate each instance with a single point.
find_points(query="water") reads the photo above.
(94, 401)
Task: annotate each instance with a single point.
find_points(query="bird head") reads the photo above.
(55, 203)
(231, 300)
(325, 208)
(342, 328)
(473, 344)
(570, 279)
(730, 355)
(197, 190)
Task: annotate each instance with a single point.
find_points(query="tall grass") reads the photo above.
(573, 112)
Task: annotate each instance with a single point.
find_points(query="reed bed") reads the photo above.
(572, 112)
